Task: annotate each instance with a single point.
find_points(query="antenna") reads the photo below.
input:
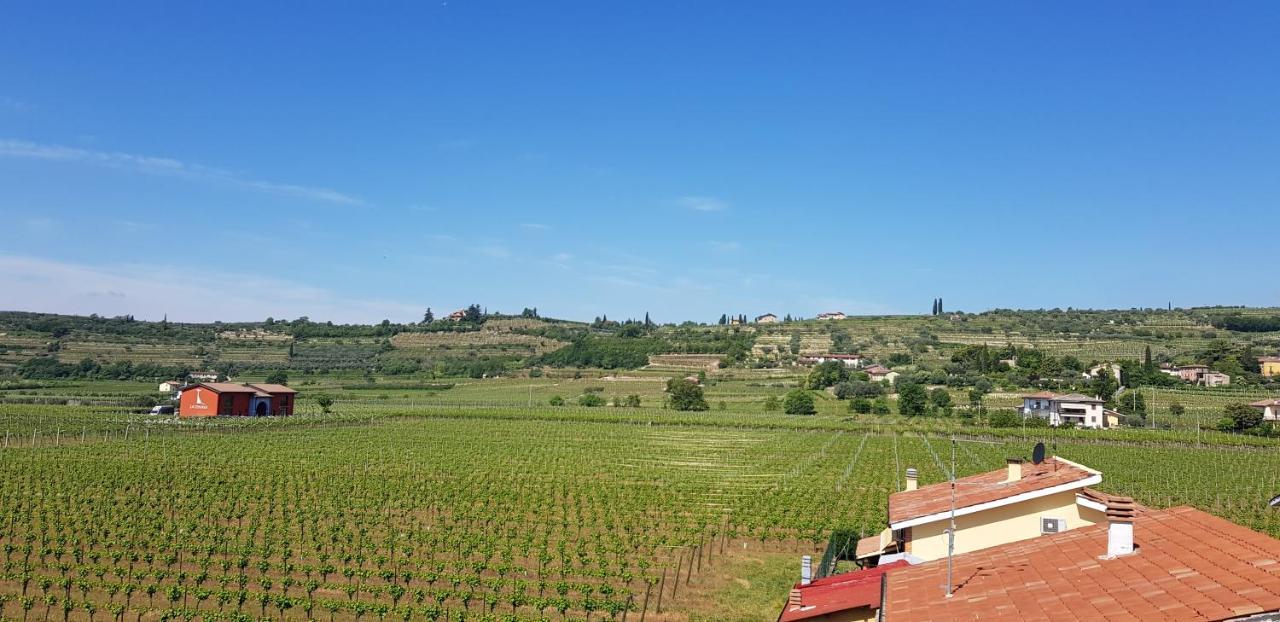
(1275, 502)
(1037, 454)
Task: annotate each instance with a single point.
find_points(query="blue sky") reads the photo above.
(238, 160)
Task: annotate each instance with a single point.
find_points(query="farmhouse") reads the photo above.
(1270, 409)
(880, 373)
(767, 318)
(226, 399)
(1269, 365)
(1073, 408)
(457, 316)
(849, 360)
(1197, 374)
(171, 386)
(203, 376)
(832, 315)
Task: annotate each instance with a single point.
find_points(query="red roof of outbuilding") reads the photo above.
(1188, 565)
(984, 488)
(222, 387)
(840, 592)
(272, 388)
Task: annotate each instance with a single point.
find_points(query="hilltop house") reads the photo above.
(457, 316)
(767, 318)
(880, 373)
(849, 360)
(1101, 368)
(832, 315)
(1269, 365)
(203, 376)
(227, 399)
(1073, 408)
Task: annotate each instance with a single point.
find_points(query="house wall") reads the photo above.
(1000, 525)
(1271, 368)
(187, 406)
(235, 404)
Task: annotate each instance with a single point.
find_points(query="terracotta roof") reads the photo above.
(1269, 359)
(877, 369)
(222, 387)
(1265, 403)
(840, 592)
(1188, 565)
(985, 488)
(272, 388)
(1043, 395)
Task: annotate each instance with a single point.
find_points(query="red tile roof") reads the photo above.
(223, 387)
(840, 592)
(274, 389)
(984, 488)
(1043, 395)
(1188, 565)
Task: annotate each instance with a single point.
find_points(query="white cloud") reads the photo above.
(170, 168)
(702, 204)
(149, 292)
(495, 251)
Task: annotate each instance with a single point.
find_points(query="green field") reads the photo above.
(465, 502)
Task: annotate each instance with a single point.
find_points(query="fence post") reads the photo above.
(661, 585)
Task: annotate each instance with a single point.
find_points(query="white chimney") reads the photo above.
(913, 479)
(1120, 513)
(1015, 470)
(806, 570)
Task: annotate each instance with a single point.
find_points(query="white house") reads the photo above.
(203, 376)
(849, 360)
(832, 315)
(1270, 409)
(171, 386)
(767, 318)
(1082, 410)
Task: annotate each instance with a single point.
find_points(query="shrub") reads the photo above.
(798, 402)
(556, 400)
(1004, 419)
(771, 403)
(590, 400)
(860, 405)
(912, 400)
(880, 406)
(686, 395)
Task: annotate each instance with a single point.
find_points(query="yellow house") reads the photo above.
(1270, 365)
(1020, 502)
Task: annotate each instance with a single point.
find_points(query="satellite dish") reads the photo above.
(1275, 503)
(1037, 454)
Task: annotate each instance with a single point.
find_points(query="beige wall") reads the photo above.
(860, 614)
(1000, 525)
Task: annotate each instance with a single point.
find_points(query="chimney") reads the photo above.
(1120, 513)
(793, 599)
(806, 570)
(1015, 469)
(913, 479)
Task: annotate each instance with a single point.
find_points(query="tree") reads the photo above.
(1241, 417)
(1104, 385)
(912, 400)
(939, 306)
(278, 377)
(940, 399)
(880, 406)
(1132, 403)
(686, 395)
(826, 374)
(798, 402)
(771, 403)
(428, 317)
(590, 400)
(860, 405)
(724, 319)
(324, 401)
(473, 314)
(1176, 409)
(647, 322)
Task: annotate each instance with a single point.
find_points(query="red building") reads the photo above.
(225, 399)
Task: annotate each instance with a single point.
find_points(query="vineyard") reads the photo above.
(422, 508)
